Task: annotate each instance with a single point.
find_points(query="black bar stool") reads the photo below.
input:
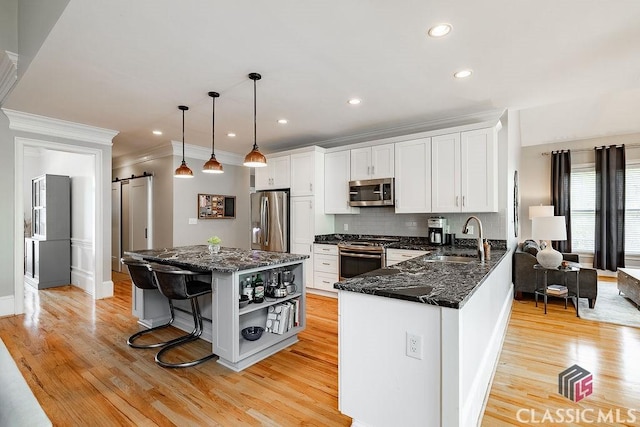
(142, 278)
(177, 284)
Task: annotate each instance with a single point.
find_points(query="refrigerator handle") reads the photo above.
(265, 220)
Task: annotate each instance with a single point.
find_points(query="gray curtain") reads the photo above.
(561, 193)
(610, 205)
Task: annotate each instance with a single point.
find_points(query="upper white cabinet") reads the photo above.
(276, 175)
(303, 174)
(337, 173)
(413, 176)
(372, 162)
(464, 171)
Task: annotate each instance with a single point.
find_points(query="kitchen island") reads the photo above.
(418, 341)
(224, 319)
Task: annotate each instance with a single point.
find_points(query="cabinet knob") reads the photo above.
(457, 197)
(462, 201)
(310, 187)
(373, 170)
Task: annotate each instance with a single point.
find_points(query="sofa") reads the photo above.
(524, 276)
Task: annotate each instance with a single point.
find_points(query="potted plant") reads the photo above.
(214, 244)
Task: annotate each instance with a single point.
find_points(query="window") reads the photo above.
(632, 210)
(583, 208)
(583, 198)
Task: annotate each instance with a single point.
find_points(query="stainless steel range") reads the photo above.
(361, 256)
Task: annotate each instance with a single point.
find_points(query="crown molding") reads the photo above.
(483, 118)
(8, 73)
(142, 156)
(201, 153)
(26, 122)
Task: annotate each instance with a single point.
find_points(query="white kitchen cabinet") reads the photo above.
(464, 171)
(325, 267)
(372, 162)
(337, 173)
(276, 175)
(303, 173)
(413, 176)
(394, 256)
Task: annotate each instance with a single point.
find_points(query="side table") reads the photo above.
(542, 291)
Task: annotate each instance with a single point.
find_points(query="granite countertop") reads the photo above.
(228, 260)
(445, 284)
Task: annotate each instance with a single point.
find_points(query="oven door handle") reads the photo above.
(356, 255)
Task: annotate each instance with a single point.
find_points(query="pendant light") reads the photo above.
(213, 165)
(255, 159)
(183, 170)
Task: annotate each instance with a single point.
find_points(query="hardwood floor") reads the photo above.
(538, 347)
(73, 355)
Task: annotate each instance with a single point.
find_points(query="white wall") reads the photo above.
(175, 201)
(535, 177)
(233, 182)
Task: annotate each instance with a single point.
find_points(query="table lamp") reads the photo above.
(540, 210)
(549, 228)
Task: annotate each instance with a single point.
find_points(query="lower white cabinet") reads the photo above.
(395, 256)
(325, 267)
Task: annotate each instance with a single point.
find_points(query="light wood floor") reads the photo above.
(538, 347)
(73, 355)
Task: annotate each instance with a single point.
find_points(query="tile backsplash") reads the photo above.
(384, 221)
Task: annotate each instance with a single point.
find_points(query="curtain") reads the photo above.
(561, 193)
(610, 206)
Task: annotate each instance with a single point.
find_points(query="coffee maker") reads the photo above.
(437, 229)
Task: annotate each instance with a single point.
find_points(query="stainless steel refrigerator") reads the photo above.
(270, 221)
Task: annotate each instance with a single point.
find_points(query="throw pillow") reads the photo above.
(531, 247)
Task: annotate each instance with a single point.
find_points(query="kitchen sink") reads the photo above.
(452, 258)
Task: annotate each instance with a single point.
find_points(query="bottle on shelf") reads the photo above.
(247, 289)
(258, 290)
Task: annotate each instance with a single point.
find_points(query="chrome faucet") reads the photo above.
(465, 230)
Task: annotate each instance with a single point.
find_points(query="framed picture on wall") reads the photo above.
(216, 206)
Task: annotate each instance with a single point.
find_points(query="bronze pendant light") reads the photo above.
(213, 165)
(183, 170)
(255, 159)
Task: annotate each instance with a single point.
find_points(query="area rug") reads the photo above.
(18, 405)
(611, 307)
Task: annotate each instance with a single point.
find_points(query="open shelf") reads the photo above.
(247, 348)
(268, 301)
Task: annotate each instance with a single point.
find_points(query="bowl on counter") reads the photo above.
(252, 333)
(244, 301)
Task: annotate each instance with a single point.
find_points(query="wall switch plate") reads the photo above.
(193, 221)
(414, 346)
(345, 227)
(469, 229)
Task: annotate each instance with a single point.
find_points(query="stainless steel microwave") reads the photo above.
(371, 192)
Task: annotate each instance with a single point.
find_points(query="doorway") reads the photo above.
(131, 217)
(91, 262)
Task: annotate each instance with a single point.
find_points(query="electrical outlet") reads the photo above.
(469, 229)
(193, 221)
(345, 227)
(414, 346)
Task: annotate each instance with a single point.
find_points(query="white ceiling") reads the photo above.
(571, 66)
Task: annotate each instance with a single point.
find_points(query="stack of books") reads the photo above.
(284, 316)
(557, 290)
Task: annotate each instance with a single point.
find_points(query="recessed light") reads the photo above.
(439, 30)
(157, 132)
(283, 121)
(231, 135)
(354, 101)
(462, 74)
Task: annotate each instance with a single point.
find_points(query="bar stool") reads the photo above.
(177, 284)
(142, 278)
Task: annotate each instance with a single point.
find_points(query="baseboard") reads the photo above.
(7, 305)
(82, 279)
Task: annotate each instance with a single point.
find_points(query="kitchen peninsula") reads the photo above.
(229, 268)
(418, 341)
